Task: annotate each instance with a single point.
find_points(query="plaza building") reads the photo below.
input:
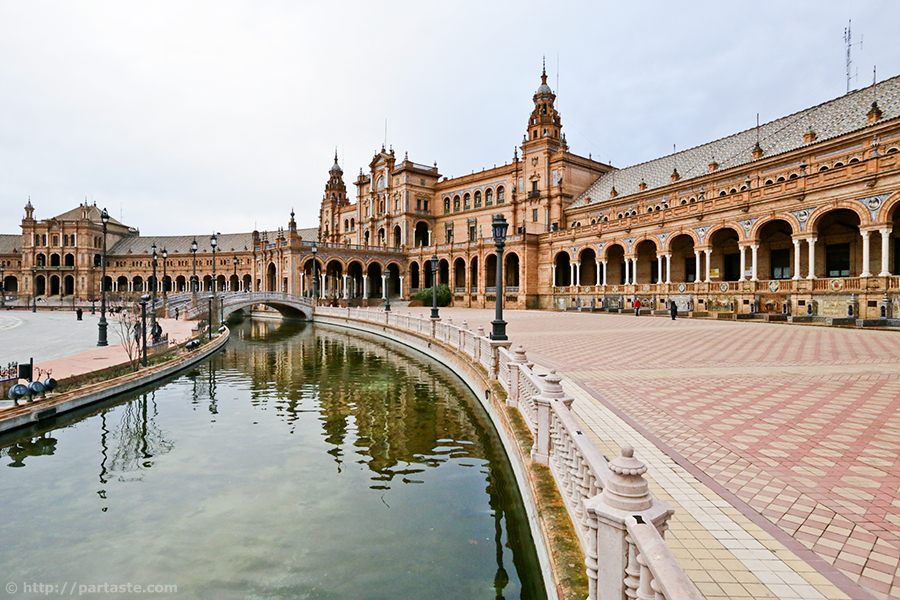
(794, 217)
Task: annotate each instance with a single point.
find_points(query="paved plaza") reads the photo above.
(789, 432)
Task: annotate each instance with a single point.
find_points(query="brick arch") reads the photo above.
(889, 204)
(620, 243)
(821, 211)
(674, 234)
(373, 261)
(763, 221)
(737, 228)
(557, 253)
(645, 238)
(337, 260)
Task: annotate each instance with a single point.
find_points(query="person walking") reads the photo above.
(637, 307)
(673, 309)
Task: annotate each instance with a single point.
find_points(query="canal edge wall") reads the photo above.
(477, 381)
(30, 413)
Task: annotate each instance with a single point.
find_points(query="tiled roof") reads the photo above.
(828, 120)
(181, 244)
(10, 243)
(93, 214)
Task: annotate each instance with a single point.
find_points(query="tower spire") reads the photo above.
(544, 72)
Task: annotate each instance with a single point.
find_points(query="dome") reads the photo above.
(543, 90)
(335, 168)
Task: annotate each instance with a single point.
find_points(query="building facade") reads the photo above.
(796, 216)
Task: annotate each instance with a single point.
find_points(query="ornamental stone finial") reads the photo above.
(465, 324)
(519, 355)
(627, 489)
(552, 387)
(480, 331)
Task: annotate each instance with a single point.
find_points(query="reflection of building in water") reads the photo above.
(372, 399)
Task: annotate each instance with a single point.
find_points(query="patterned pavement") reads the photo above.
(797, 427)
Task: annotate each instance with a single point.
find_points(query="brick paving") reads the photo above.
(797, 427)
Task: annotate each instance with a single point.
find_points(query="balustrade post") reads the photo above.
(476, 344)
(625, 497)
(519, 358)
(551, 389)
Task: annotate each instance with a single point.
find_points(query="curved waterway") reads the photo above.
(305, 461)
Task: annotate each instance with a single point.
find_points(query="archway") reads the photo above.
(392, 273)
(54, 285)
(444, 272)
(839, 245)
(234, 283)
(181, 283)
(10, 284)
(420, 237)
(122, 284)
(69, 285)
(248, 283)
(40, 286)
(413, 276)
(137, 284)
(459, 276)
(354, 279)
(725, 258)
(647, 263)
(54, 260)
(429, 275)
(270, 277)
(398, 238)
(588, 259)
(334, 279)
(374, 272)
(615, 264)
(774, 257)
(563, 271)
(473, 275)
(511, 271)
(684, 263)
(70, 260)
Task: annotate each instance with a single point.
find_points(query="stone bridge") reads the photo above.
(289, 305)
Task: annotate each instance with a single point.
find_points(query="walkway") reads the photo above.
(60, 343)
(777, 444)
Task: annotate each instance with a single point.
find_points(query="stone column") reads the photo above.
(604, 271)
(668, 256)
(865, 253)
(384, 286)
(572, 273)
(365, 287)
(346, 287)
(796, 276)
(812, 257)
(578, 274)
(743, 250)
(553, 281)
(597, 278)
(885, 252)
(696, 266)
(708, 253)
(323, 284)
(401, 287)
(551, 390)
(302, 289)
(754, 262)
(634, 270)
(660, 259)
(627, 271)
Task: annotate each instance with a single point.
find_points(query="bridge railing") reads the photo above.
(192, 310)
(619, 524)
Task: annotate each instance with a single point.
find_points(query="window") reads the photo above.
(456, 204)
(837, 260)
(489, 197)
(446, 205)
(501, 195)
(471, 233)
(556, 178)
(397, 205)
(426, 206)
(534, 215)
(56, 240)
(380, 184)
(467, 202)
(534, 188)
(780, 261)
(448, 235)
(478, 199)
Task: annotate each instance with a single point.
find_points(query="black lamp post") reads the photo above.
(434, 283)
(153, 290)
(315, 249)
(144, 300)
(101, 340)
(387, 291)
(165, 255)
(499, 225)
(234, 261)
(213, 242)
(194, 267)
(2, 286)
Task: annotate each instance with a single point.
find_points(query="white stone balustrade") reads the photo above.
(619, 523)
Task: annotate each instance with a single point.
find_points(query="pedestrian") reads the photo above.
(176, 313)
(673, 308)
(637, 307)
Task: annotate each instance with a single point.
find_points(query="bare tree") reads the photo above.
(127, 327)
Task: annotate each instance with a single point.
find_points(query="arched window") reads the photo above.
(501, 195)
(769, 182)
(467, 202)
(489, 197)
(456, 204)
(353, 224)
(379, 185)
(478, 199)
(446, 205)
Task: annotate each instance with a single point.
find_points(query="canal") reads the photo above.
(304, 461)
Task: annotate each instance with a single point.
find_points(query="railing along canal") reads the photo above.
(620, 525)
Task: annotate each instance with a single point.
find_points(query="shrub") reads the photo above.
(443, 296)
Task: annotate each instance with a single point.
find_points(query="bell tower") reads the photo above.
(335, 190)
(544, 121)
(335, 197)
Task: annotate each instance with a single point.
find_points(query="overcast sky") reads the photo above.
(187, 117)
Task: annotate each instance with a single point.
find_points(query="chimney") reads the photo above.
(613, 193)
(809, 137)
(874, 113)
(757, 151)
(675, 175)
(713, 165)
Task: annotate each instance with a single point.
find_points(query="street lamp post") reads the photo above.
(144, 300)
(153, 291)
(234, 261)
(165, 255)
(101, 340)
(194, 267)
(2, 287)
(387, 291)
(213, 242)
(315, 249)
(499, 225)
(34, 289)
(434, 280)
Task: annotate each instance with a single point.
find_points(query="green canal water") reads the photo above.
(303, 462)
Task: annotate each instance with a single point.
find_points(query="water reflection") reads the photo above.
(304, 461)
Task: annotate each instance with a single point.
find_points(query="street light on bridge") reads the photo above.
(434, 283)
(499, 226)
(194, 263)
(101, 340)
(213, 242)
